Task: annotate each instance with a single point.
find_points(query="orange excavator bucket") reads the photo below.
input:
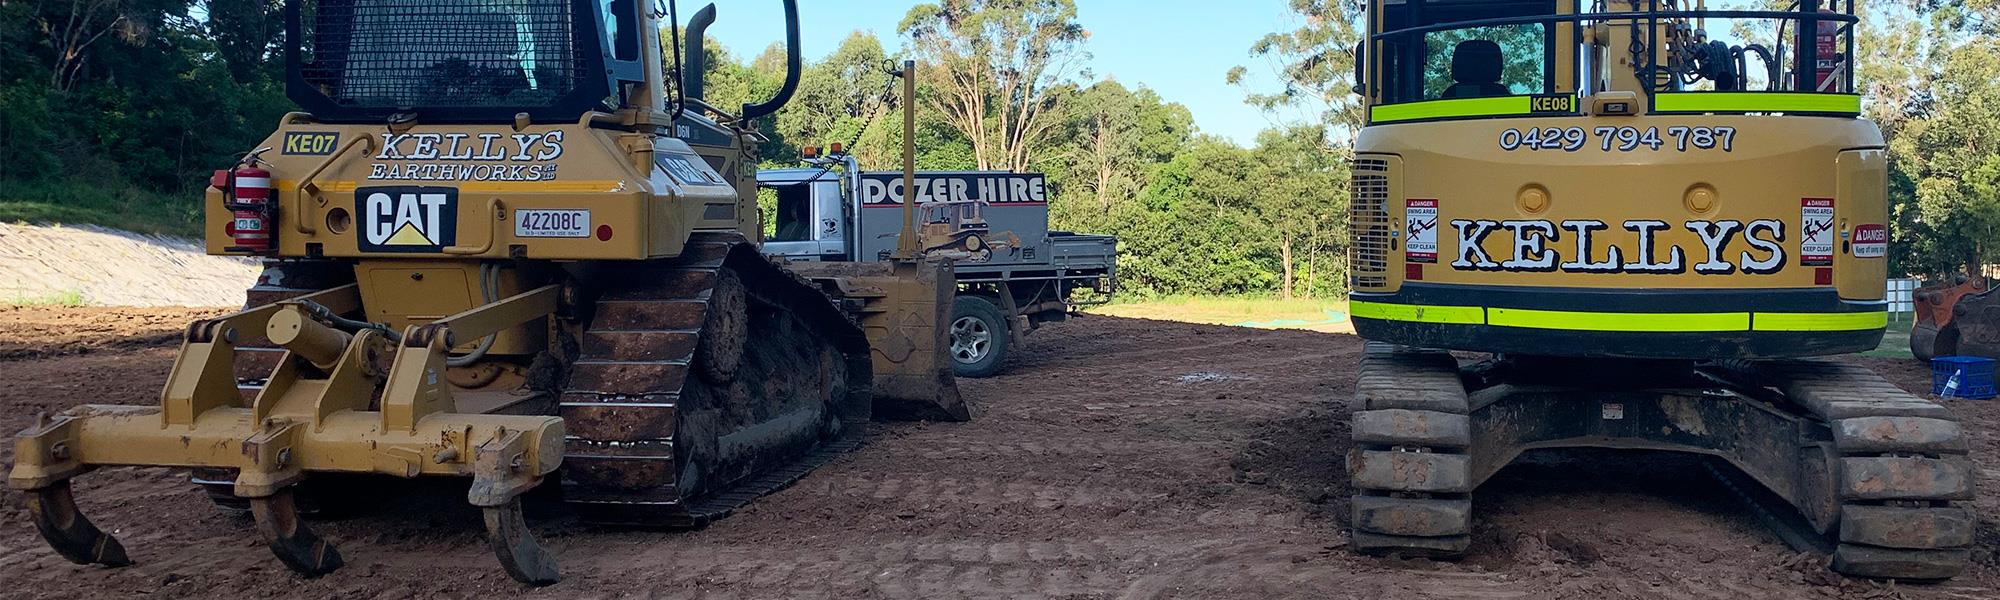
(1960, 317)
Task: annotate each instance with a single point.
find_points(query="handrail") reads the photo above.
(306, 185)
(1668, 14)
(493, 207)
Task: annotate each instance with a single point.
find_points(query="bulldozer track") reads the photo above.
(1409, 467)
(681, 354)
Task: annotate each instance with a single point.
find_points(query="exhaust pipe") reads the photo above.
(697, 54)
(793, 64)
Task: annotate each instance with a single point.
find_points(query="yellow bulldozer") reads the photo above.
(1649, 233)
(497, 247)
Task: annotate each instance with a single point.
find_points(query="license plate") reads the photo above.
(551, 223)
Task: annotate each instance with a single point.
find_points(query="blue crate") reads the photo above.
(1975, 377)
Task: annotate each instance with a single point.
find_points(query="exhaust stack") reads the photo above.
(697, 53)
(793, 64)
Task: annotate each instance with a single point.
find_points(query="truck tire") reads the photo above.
(978, 336)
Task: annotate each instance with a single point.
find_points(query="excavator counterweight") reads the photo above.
(1653, 235)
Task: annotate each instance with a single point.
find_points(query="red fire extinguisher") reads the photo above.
(247, 193)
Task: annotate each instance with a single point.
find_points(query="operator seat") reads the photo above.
(1475, 70)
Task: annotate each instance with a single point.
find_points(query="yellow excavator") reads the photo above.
(1650, 232)
(497, 248)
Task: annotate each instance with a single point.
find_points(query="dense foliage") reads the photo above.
(116, 110)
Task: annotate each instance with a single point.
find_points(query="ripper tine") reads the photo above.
(524, 558)
(296, 545)
(69, 532)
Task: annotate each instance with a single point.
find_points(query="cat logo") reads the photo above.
(310, 143)
(407, 218)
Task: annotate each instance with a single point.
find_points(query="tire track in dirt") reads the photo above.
(1204, 487)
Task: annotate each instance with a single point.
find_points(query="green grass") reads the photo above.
(107, 204)
(1316, 314)
(1896, 341)
(65, 299)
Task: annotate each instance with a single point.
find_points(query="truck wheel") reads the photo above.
(978, 337)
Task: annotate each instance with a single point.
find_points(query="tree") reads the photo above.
(1314, 64)
(73, 27)
(1300, 195)
(1950, 152)
(998, 71)
(842, 95)
(1119, 134)
(243, 31)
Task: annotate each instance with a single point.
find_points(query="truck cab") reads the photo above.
(812, 215)
(1013, 272)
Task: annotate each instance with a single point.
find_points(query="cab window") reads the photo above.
(789, 212)
(1478, 62)
(1466, 62)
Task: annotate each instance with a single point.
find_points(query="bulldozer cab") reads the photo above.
(961, 214)
(462, 61)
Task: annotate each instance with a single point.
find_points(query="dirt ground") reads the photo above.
(1117, 458)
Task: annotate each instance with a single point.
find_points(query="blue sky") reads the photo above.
(1180, 49)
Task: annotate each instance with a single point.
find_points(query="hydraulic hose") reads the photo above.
(489, 291)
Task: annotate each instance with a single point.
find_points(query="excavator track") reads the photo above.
(1873, 475)
(706, 381)
(1898, 470)
(1410, 466)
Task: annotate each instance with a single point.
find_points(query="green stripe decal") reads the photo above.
(1461, 315)
(1608, 321)
(1567, 320)
(1857, 321)
(1444, 109)
(1787, 102)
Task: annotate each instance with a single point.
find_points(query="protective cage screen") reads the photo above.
(440, 53)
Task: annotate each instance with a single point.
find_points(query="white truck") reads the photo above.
(1013, 273)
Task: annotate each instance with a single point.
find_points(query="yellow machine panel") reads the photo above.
(1646, 227)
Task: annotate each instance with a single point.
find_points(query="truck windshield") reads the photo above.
(441, 53)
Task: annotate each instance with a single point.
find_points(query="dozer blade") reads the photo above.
(295, 544)
(69, 532)
(907, 306)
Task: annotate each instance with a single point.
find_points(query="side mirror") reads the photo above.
(1360, 84)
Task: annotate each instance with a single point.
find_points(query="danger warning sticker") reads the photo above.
(1815, 232)
(1871, 241)
(1420, 232)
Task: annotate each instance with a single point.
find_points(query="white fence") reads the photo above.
(1903, 296)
